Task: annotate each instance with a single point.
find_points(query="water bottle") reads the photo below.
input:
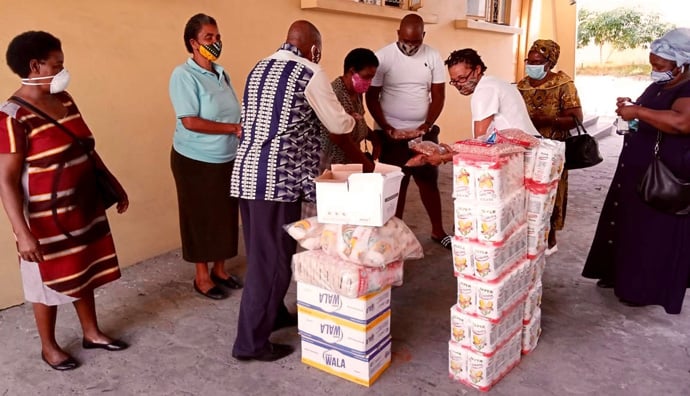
(622, 126)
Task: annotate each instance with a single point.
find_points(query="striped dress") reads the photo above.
(53, 161)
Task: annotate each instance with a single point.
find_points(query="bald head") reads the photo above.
(411, 32)
(304, 35)
(412, 21)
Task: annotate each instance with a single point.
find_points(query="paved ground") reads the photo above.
(591, 344)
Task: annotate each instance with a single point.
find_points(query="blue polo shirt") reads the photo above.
(197, 92)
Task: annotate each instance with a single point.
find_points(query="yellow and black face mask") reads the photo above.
(211, 51)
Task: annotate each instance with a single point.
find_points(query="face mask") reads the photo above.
(359, 84)
(536, 72)
(662, 77)
(467, 88)
(315, 54)
(58, 83)
(408, 49)
(211, 51)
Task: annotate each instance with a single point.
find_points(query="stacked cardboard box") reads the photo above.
(344, 292)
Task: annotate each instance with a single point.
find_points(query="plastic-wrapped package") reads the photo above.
(460, 327)
(492, 300)
(307, 232)
(537, 238)
(517, 136)
(539, 263)
(487, 336)
(533, 301)
(531, 332)
(488, 261)
(425, 147)
(371, 246)
(365, 245)
(479, 150)
(404, 134)
(457, 362)
(332, 273)
(483, 371)
(489, 222)
(548, 158)
(490, 181)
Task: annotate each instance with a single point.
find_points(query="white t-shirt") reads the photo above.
(406, 84)
(493, 96)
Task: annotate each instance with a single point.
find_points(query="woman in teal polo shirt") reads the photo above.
(202, 157)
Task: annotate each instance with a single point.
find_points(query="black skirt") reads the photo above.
(208, 215)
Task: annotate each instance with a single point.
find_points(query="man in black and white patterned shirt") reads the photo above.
(286, 99)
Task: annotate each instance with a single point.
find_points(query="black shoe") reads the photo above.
(232, 282)
(214, 293)
(285, 320)
(114, 345)
(68, 364)
(271, 353)
(604, 284)
(630, 303)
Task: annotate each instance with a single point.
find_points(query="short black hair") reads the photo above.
(193, 27)
(27, 46)
(468, 56)
(359, 59)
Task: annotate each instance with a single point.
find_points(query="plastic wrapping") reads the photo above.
(343, 277)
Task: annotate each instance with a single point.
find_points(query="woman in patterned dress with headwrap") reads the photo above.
(552, 102)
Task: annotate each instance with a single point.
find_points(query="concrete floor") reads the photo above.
(590, 345)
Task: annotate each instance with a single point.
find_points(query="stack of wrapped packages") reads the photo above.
(491, 257)
(344, 276)
(543, 168)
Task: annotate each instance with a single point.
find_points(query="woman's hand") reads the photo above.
(628, 112)
(621, 101)
(29, 248)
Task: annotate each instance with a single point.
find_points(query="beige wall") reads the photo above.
(121, 52)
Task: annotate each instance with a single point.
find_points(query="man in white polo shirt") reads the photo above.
(405, 98)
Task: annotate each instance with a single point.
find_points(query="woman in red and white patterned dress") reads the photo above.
(48, 189)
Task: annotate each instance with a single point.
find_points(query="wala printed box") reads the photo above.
(345, 335)
(359, 310)
(362, 369)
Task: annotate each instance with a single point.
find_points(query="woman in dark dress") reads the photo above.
(643, 253)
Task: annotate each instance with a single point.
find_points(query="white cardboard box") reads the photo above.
(342, 334)
(345, 195)
(359, 310)
(359, 368)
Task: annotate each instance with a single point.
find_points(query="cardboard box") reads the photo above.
(359, 310)
(342, 334)
(358, 368)
(345, 195)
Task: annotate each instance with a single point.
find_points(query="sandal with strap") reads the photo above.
(446, 241)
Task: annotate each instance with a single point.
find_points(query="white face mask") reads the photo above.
(58, 83)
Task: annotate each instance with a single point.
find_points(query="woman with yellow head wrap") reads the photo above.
(552, 103)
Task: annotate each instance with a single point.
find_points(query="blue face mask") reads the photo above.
(662, 77)
(536, 72)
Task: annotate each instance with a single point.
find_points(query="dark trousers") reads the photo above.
(269, 256)
(396, 152)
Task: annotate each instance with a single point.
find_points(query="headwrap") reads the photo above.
(673, 46)
(548, 48)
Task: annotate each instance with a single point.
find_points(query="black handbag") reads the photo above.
(108, 187)
(661, 189)
(581, 150)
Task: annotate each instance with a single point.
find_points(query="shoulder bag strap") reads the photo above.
(61, 165)
(45, 116)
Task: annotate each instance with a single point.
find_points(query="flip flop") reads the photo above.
(446, 241)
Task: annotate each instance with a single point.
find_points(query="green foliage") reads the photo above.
(621, 28)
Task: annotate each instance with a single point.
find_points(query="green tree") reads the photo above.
(621, 28)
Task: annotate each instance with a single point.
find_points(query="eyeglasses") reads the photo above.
(460, 80)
